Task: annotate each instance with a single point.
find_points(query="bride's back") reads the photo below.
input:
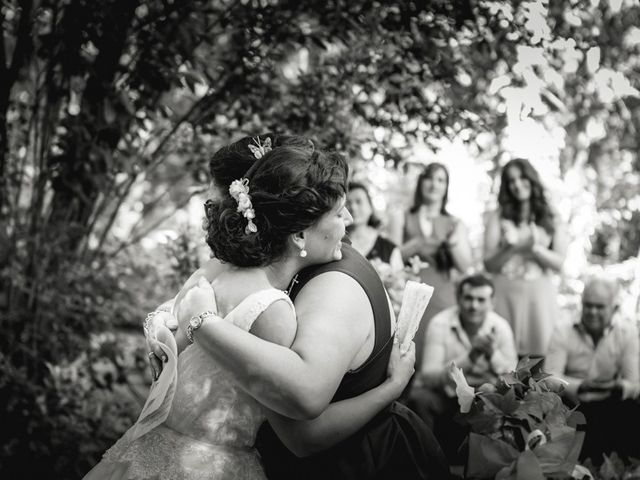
(207, 405)
(230, 283)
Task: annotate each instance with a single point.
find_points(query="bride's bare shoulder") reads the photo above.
(210, 270)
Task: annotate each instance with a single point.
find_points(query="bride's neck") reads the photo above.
(281, 272)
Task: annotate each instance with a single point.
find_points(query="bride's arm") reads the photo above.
(334, 320)
(344, 418)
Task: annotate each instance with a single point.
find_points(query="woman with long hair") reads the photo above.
(525, 243)
(439, 240)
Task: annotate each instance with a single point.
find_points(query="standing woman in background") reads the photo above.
(525, 243)
(437, 238)
(363, 231)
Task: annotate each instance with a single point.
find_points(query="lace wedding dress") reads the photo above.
(212, 425)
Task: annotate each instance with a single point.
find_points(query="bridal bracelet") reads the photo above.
(196, 321)
(146, 324)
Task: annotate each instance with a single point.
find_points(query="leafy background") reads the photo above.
(109, 110)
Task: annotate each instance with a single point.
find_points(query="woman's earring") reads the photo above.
(303, 253)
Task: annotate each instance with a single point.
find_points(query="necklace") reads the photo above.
(294, 280)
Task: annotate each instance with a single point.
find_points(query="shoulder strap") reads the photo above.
(249, 309)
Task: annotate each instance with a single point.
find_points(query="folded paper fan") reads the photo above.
(415, 299)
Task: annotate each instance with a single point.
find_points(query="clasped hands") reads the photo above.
(482, 345)
(522, 245)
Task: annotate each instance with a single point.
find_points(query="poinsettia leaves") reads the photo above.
(543, 403)
(522, 403)
(576, 418)
(527, 367)
(526, 363)
(483, 422)
(465, 393)
(506, 404)
(511, 378)
(528, 467)
(540, 375)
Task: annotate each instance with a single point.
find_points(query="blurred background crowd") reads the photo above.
(484, 136)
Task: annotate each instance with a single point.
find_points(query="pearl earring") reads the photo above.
(303, 253)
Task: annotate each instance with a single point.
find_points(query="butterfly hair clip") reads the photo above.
(260, 149)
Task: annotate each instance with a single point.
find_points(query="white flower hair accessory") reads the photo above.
(260, 149)
(239, 191)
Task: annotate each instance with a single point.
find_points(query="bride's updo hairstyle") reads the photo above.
(290, 189)
(232, 162)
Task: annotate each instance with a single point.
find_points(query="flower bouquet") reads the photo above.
(519, 428)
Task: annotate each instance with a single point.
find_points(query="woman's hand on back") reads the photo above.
(198, 299)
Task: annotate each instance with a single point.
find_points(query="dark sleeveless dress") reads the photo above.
(382, 249)
(395, 443)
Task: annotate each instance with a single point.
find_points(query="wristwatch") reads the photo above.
(195, 323)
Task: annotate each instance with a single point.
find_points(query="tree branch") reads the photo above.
(3, 57)
(24, 43)
(136, 238)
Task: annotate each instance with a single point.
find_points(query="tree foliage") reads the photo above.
(109, 110)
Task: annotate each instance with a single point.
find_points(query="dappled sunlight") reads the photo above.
(108, 126)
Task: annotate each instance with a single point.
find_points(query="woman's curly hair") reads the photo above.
(233, 161)
(290, 189)
(510, 208)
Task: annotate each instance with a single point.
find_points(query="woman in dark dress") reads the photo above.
(363, 232)
(396, 443)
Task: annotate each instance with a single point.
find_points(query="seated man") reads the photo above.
(474, 337)
(599, 358)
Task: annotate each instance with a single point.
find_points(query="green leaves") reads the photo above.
(521, 429)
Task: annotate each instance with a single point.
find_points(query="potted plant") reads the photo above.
(519, 428)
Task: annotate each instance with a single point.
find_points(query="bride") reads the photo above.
(287, 213)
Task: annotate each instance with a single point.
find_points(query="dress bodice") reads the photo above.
(438, 228)
(207, 405)
(522, 266)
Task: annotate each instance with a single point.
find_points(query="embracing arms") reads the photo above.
(299, 381)
(337, 420)
(344, 418)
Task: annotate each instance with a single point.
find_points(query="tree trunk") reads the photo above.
(82, 170)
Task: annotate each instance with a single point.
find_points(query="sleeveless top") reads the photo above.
(394, 441)
(374, 370)
(442, 227)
